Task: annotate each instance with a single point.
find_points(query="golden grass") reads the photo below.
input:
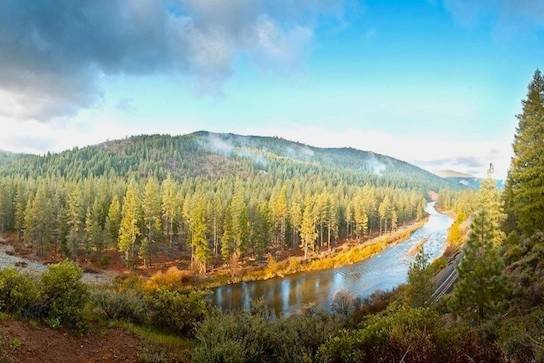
(171, 279)
(340, 257)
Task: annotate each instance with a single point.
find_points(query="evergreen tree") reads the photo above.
(260, 231)
(198, 227)
(240, 223)
(113, 221)
(525, 183)
(481, 284)
(419, 289)
(227, 240)
(20, 206)
(169, 206)
(129, 231)
(75, 221)
(151, 219)
(308, 233)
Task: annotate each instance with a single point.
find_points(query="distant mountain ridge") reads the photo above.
(448, 173)
(208, 154)
(464, 179)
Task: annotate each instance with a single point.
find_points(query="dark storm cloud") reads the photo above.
(53, 53)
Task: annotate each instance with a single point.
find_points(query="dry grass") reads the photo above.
(344, 255)
(172, 279)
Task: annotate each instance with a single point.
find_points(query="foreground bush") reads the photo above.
(175, 311)
(125, 305)
(245, 337)
(410, 335)
(19, 293)
(64, 295)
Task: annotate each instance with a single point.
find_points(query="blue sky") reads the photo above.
(436, 83)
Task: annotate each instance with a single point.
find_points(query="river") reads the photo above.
(384, 271)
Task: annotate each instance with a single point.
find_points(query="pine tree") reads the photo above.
(384, 212)
(91, 229)
(74, 220)
(169, 206)
(279, 211)
(227, 240)
(129, 231)
(240, 223)
(419, 289)
(39, 221)
(151, 218)
(20, 206)
(308, 232)
(481, 283)
(260, 231)
(332, 222)
(198, 227)
(394, 220)
(295, 219)
(113, 220)
(525, 183)
(360, 215)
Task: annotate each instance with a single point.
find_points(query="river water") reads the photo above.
(384, 271)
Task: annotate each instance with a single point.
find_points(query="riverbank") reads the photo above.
(345, 255)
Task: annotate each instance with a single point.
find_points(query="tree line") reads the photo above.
(226, 217)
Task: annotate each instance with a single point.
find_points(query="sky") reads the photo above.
(434, 82)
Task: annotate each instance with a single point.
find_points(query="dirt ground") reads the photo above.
(21, 341)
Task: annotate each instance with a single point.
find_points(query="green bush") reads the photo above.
(19, 293)
(64, 295)
(409, 334)
(175, 311)
(127, 305)
(243, 338)
(257, 337)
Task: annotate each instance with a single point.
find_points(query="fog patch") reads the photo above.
(376, 166)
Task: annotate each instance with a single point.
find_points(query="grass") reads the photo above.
(340, 257)
(158, 346)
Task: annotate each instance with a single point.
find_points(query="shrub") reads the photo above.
(257, 337)
(171, 279)
(344, 303)
(64, 294)
(19, 293)
(244, 338)
(127, 305)
(175, 311)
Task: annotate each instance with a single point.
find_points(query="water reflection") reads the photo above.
(384, 271)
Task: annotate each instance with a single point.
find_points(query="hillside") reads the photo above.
(464, 179)
(207, 154)
(205, 198)
(6, 157)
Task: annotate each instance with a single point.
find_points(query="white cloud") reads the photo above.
(54, 53)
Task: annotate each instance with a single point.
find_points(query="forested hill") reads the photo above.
(6, 157)
(213, 155)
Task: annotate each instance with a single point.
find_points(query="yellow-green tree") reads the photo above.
(129, 232)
